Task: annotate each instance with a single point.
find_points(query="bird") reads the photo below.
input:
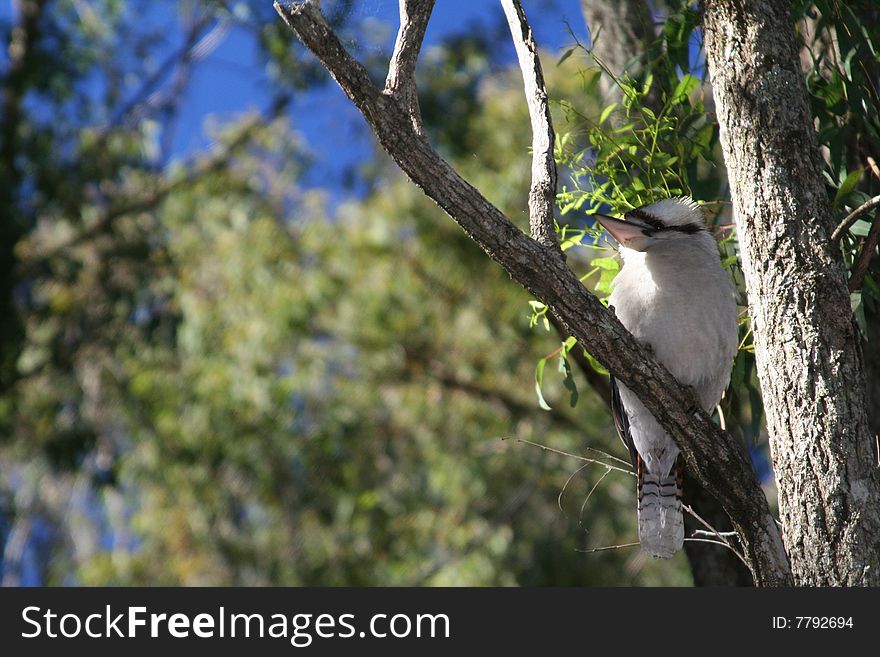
(674, 296)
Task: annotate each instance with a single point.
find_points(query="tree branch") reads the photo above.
(868, 248)
(401, 81)
(718, 461)
(850, 219)
(542, 195)
(807, 350)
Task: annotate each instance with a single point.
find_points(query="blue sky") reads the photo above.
(231, 79)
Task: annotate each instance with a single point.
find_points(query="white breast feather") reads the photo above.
(683, 305)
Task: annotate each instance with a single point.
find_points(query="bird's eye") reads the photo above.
(645, 218)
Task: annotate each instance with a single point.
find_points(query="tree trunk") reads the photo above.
(620, 30)
(807, 347)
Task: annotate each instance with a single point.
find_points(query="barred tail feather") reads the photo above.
(661, 525)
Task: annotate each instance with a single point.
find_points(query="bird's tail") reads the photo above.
(661, 525)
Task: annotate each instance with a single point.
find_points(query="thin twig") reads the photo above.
(575, 456)
(542, 195)
(709, 540)
(721, 420)
(565, 485)
(721, 539)
(609, 456)
(609, 547)
(704, 532)
(589, 495)
(850, 219)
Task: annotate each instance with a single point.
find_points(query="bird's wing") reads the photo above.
(621, 423)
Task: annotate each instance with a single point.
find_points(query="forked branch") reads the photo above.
(401, 81)
(717, 460)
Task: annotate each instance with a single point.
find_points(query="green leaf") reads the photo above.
(574, 240)
(565, 56)
(848, 185)
(569, 381)
(539, 379)
(684, 88)
(861, 228)
(603, 287)
(738, 374)
(847, 63)
(607, 112)
(595, 364)
(858, 309)
(609, 264)
(757, 407)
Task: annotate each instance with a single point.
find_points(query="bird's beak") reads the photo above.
(625, 232)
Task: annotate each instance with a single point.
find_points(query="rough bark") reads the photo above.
(806, 344)
(542, 195)
(711, 453)
(872, 367)
(401, 80)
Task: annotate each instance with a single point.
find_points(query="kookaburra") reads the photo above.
(672, 294)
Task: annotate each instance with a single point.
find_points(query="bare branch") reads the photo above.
(722, 540)
(850, 219)
(561, 495)
(542, 195)
(401, 81)
(706, 532)
(587, 498)
(307, 22)
(713, 542)
(718, 461)
(588, 461)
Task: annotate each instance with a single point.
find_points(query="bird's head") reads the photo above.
(672, 221)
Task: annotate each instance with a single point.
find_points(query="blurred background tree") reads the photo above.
(214, 374)
(250, 362)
